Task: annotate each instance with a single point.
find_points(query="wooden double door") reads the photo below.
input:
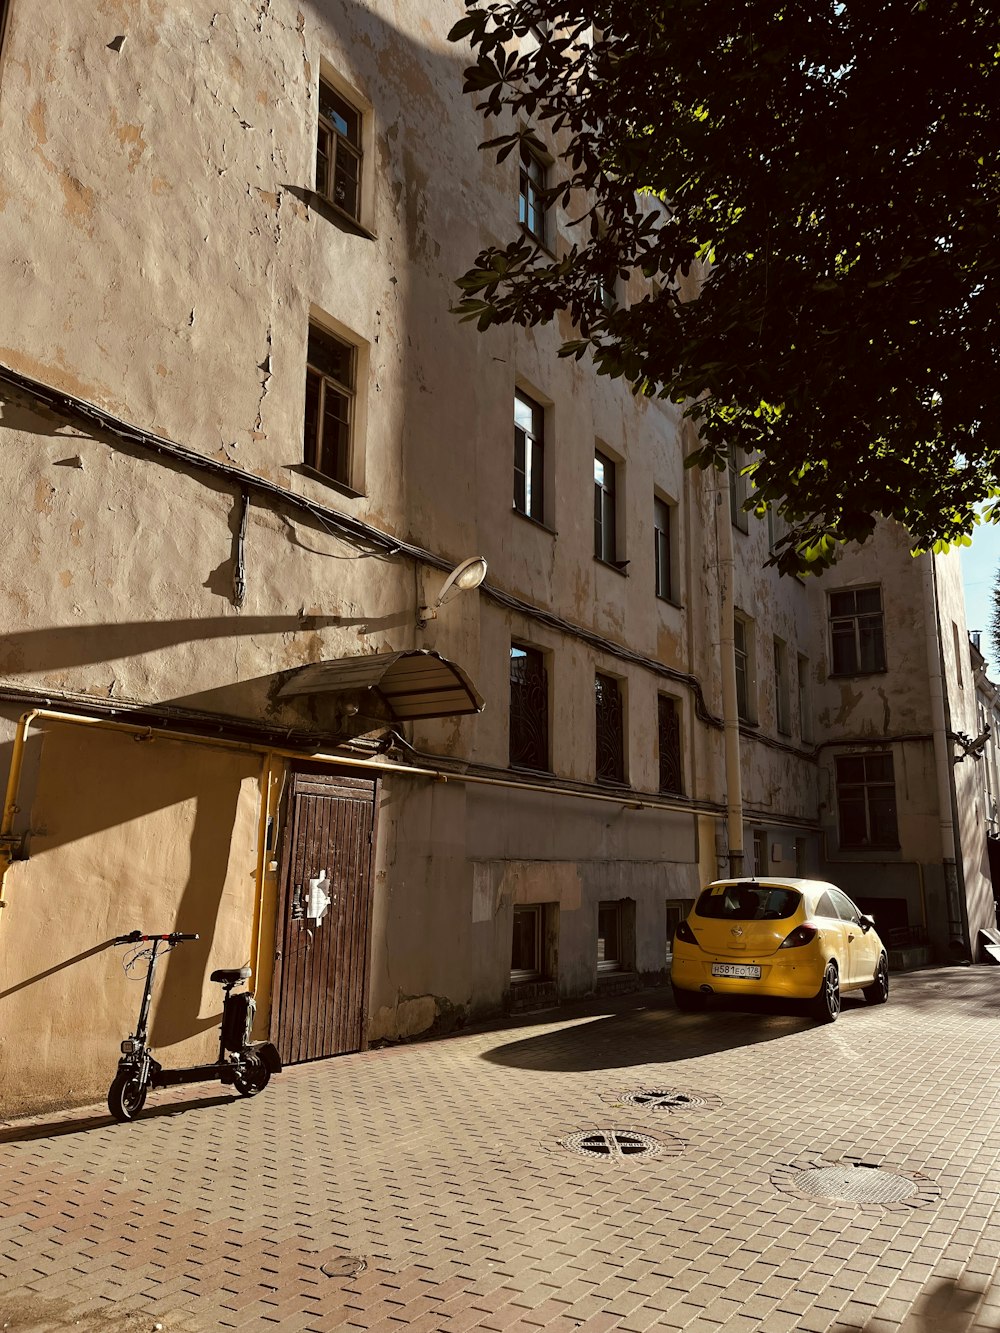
(321, 955)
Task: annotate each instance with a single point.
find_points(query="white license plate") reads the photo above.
(750, 970)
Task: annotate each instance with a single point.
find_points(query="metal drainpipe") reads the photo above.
(958, 924)
(727, 654)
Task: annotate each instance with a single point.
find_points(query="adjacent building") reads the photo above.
(406, 663)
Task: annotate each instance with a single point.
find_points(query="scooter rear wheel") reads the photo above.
(126, 1096)
(253, 1077)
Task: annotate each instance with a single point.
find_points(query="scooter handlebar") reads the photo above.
(137, 937)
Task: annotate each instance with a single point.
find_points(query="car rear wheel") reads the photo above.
(878, 991)
(826, 1005)
(688, 1001)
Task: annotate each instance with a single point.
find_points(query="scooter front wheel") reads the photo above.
(252, 1077)
(127, 1095)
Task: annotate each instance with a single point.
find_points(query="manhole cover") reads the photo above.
(348, 1265)
(613, 1143)
(668, 1099)
(856, 1182)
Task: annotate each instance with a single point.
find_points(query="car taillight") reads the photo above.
(685, 934)
(803, 934)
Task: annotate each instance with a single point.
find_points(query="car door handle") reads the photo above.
(850, 938)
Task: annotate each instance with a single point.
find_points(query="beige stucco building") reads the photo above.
(245, 445)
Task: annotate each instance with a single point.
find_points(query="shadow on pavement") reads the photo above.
(57, 1128)
(651, 1032)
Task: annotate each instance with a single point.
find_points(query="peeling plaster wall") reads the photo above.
(164, 260)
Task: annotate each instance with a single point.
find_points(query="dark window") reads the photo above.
(805, 711)
(669, 732)
(866, 800)
(338, 151)
(846, 910)
(605, 536)
(610, 730)
(741, 642)
(330, 375)
(857, 637)
(529, 458)
(609, 937)
(530, 206)
(529, 709)
(526, 943)
(738, 492)
(781, 691)
(3, 22)
(677, 911)
(747, 902)
(760, 857)
(661, 549)
(825, 907)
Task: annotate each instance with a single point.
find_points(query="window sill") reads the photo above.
(851, 675)
(670, 601)
(530, 236)
(619, 566)
(305, 470)
(337, 215)
(532, 772)
(535, 522)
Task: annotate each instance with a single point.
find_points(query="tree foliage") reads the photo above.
(811, 191)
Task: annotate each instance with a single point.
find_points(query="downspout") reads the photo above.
(10, 807)
(727, 656)
(958, 924)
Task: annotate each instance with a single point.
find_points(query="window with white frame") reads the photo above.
(743, 647)
(531, 188)
(605, 508)
(339, 155)
(782, 700)
(663, 541)
(529, 457)
(331, 386)
(857, 633)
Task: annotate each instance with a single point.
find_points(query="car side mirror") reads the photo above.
(866, 923)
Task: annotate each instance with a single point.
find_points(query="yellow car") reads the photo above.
(797, 938)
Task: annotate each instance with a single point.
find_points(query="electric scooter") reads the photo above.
(247, 1067)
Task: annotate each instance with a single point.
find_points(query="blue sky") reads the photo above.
(979, 570)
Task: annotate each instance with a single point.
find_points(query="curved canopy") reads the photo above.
(413, 683)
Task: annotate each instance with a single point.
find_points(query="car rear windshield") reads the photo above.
(747, 902)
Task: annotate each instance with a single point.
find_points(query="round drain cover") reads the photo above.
(668, 1099)
(859, 1184)
(853, 1180)
(619, 1144)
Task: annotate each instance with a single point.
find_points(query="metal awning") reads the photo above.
(413, 683)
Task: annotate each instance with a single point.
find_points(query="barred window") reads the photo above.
(610, 761)
(669, 732)
(529, 709)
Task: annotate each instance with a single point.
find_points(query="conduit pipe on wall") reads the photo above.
(957, 917)
(269, 754)
(727, 656)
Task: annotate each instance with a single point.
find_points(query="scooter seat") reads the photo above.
(228, 976)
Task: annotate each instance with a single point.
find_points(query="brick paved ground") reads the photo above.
(424, 1187)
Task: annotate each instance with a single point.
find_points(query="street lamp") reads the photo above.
(463, 578)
